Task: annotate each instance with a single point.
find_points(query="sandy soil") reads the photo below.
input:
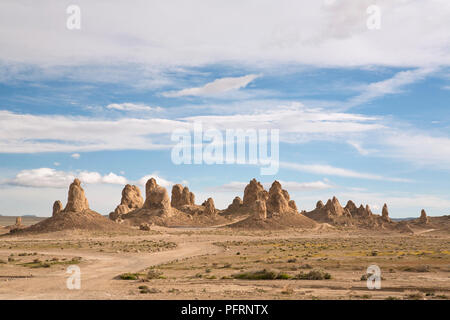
(202, 263)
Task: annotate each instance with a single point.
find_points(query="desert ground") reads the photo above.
(225, 263)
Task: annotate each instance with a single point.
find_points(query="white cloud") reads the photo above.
(389, 86)
(76, 156)
(359, 148)
(334, 171)
(418, 147)
(56, 164)
(26, 133)
(131, 107)
(297, 122)
(112, 178)
(51, 178)
(446, 87)
(216, 87)
(159, 180)
(203, 32)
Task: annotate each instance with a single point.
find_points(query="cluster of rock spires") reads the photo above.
(260, 205)
(333, 213)
(158, 203)
(181, 196)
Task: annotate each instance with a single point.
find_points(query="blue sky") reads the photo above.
(362, 114)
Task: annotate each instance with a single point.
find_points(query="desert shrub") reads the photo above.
(154, 274)
(129, 276)
(313, 275)
(414, 296)
(261, 275)
(287, 291)
(422, 268)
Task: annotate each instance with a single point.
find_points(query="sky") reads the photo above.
(362, 113)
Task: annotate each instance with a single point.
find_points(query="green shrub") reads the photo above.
(313, 275)
(261, 275)
(154, 274)
(129, 276)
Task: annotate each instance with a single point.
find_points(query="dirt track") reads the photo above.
(97, 273)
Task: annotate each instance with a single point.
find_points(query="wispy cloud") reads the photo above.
(127, 106)
(218, 86)
(58, 133)
(418, 147)
(335, 171)
(389, 86)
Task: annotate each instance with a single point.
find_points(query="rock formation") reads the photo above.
(77, 201)
(209, 207)
(18, 221)
(292, 205)
(278, 201)
(334, 208)
(254, 191)
(385, 213)
(361, 211)
(131, 200)
(332, 212)
(181, 196)
(319, 204)
(57, 208)
(156, 197)
(423, 217)
(131, 197)
(260, 210)
(235, 205)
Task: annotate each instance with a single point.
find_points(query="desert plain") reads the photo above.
(260, 248)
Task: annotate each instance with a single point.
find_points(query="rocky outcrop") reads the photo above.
(260, 210)
(423, 217)
(18, 221)
(292, 205)
(77, 201)
(57, 208)
(319, 204)
(131, 197)
(254, 191)
(156, 197)
(334, 208)
(385, 213)
(209, 207)
(235, 205)
(131, 200)
(351, 206)
(181, 196)
(278, 201)
(332, 212)
(356, 212)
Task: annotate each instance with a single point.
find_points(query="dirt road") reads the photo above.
(97, 273)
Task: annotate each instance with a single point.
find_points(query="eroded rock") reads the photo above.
(57, 208)
(156, 197)
(77, 201)
(181, 196)
(254, 191)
